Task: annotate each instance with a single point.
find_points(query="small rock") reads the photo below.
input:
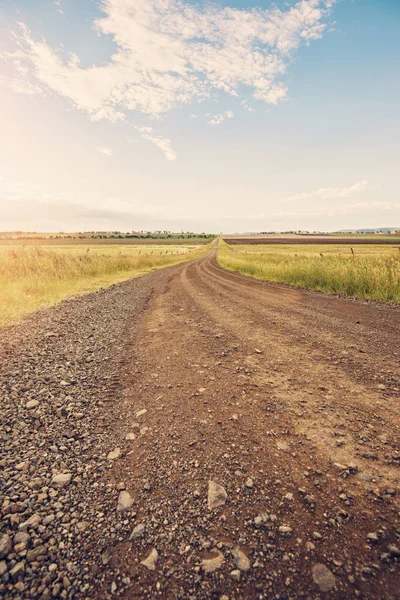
(216, 495)
(5, 545)
(372, 537)
(249, 483)
(212, 564)
(125, 501)
(114, 454)
(235, 575)
(150, 561)
(241, 560)
(323, 577)
(141, 412)
(137, 532)
(61, 480)
(32, 404)
(33, 522)
(394, 551)
(130, 436)
(21, 537)
(310, 546)
(283, 446)
(3, 567)
(17, 570)
(285, 529)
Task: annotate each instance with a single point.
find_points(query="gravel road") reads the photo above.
(197, 434)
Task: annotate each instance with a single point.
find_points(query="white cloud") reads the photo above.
(329, 193)
(20, 86)
(164, 144)
(170, 52)
(143, 129)
(106, 151)
(217, 119)
(58, 4)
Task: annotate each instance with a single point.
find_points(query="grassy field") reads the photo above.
(34, 277)
(84, 241)
(373, 272)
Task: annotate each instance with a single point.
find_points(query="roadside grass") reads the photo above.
(33, 277)
(373, 272)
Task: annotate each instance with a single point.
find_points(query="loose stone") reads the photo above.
(323, 577)
(216, 495)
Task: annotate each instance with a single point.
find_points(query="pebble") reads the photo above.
(323, 577)
(5, 545)
(285, 529)
(241, 560)
(61, 480)
(249, 482)
(125, 501)
(32, 404)
(212, 564)
(137, 532)
(114, 454)
(150, 561)
(216, 495)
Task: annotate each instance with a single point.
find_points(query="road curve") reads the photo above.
(290, 401)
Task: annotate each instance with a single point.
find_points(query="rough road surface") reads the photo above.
(197, 434)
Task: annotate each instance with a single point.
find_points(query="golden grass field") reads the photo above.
(373, 272)
(34, 277)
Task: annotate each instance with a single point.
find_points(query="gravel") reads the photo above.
(60, 388)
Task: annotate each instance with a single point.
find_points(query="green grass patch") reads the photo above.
(372, 272)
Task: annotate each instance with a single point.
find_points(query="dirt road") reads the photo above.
(288, 400)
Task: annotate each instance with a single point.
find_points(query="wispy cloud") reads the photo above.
(58, 4)
(332, 192)
(170, 53)
(106, 151)
(217, 119)
(164, 144)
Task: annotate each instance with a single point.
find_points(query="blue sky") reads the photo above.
(235, 116)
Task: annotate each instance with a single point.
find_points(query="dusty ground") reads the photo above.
(289, 400)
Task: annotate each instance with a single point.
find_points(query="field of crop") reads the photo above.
(370, 271)
(34, 277)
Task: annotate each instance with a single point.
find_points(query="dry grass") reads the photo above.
(37, 277)
(373, 272)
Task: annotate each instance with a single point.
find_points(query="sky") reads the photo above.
(230, 116)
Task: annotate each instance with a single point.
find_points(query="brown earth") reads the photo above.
(290, 400)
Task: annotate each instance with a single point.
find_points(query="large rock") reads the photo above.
(323, 577)
(125, 501)
(216, 495)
